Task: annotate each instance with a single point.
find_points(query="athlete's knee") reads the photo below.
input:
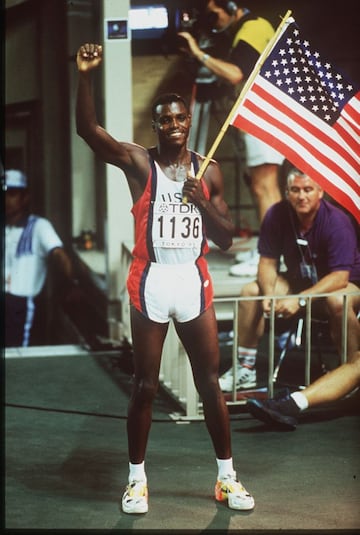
(144, 391)
(205, 380)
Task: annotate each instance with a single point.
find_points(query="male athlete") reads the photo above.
(168, 278)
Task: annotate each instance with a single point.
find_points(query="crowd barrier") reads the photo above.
(175, 372)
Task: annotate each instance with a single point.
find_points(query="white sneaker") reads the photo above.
(230, 489)
(135, 498)
(248, 268)
(245, 378)
(244, 256)
(243, 270)
(250, 257)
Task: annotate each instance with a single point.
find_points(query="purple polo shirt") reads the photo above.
(332, 241)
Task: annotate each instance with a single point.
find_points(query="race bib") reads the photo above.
(176, 225)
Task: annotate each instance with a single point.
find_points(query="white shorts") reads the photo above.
(258, 152)
(165, 291)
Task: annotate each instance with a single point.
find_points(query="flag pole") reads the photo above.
(249, 81)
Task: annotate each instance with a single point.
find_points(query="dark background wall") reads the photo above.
(332, 27)
(38, 88)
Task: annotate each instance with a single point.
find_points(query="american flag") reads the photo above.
(308, 111)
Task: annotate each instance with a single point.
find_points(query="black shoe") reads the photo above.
(280, 413)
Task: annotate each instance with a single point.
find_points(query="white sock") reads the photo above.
(137, 472)
(247, 356)
(225, 467)
(300, 400)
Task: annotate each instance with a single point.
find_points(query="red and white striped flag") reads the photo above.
(308, 111)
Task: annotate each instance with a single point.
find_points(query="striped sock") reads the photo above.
(247, 356)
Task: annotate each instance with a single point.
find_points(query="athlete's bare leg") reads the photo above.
(148, 339)
(200, 340)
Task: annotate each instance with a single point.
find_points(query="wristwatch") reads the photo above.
(204, 58)
(302, 302)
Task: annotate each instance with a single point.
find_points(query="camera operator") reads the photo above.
(198, 24)
(248, 36)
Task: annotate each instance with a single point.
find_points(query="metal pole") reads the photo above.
(271, 349)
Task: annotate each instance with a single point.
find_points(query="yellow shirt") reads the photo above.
(257, 33)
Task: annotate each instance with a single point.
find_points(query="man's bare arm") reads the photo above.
(130, 157)
(229, 71)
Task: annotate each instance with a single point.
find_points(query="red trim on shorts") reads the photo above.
(136, 282)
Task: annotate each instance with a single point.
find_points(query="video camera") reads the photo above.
(197, 24)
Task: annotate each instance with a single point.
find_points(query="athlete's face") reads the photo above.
(172, 123)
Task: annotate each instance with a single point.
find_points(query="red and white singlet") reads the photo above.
(169, 277)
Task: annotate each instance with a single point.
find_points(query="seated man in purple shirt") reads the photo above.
(318, 244)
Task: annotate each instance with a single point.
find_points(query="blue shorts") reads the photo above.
(19, 318)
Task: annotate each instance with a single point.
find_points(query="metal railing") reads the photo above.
(271, 342)
(175, 372)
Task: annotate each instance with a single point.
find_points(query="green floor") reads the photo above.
(66, 458)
